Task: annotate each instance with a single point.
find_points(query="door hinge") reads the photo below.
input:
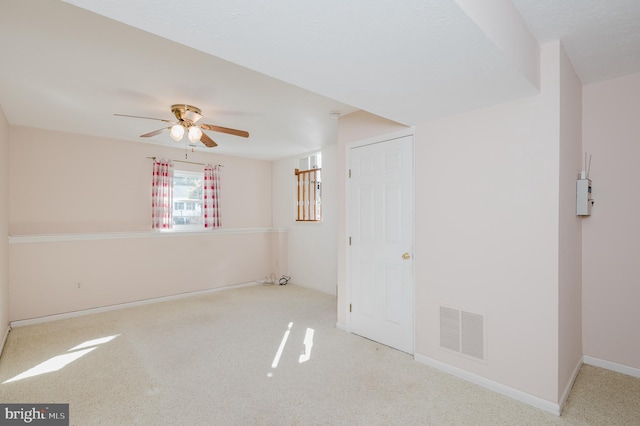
(349, 307)
(349, 173)
(349, 240)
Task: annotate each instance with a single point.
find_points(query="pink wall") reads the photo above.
(4, 226)
(93, 195)
(487, 234)
(570, 230)
(611, 235)
(486, 240)
(45, 275)
(496, 230)
(103, 185)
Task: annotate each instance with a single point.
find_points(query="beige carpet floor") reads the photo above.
(213, 360)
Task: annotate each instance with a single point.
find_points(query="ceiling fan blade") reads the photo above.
(146, 118)
(156, 132)
(235, 132)
(205, 139)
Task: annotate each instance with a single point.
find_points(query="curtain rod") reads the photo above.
(189, 162)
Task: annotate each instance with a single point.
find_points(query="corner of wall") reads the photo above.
(610, 236)
(564, 395)
(4, 224)
(508, 391)
(4, 339)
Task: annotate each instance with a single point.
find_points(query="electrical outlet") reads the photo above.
(78, 285)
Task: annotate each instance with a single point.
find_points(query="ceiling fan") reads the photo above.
(188, 116)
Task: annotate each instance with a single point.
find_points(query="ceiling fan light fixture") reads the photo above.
(187, 116)
(177, 132)
(194, 134)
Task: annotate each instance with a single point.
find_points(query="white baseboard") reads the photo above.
(618, 368)
(48, 318)
(342, 327)
(510, 392)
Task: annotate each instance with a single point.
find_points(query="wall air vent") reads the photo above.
(450, 328)
(462, 332)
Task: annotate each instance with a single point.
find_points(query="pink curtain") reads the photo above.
(162, 195)
(212, 197)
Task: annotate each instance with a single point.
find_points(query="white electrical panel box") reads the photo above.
(584, 197)
(584, 200)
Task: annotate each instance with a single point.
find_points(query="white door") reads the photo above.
(381, 236)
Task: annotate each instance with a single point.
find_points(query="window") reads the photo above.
(187, 200)
(309, 188)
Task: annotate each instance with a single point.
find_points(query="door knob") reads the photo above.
(406, 256)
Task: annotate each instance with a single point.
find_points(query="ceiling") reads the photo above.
(277, 69)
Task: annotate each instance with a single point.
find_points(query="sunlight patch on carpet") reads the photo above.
(58, 362)
(276, 359)
(308, 343)
(94, 342)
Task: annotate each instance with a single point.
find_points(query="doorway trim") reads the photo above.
(409, 131)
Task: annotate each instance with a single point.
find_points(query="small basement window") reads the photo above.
(309, 188)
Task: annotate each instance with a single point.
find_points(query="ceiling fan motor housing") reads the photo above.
(186, 114)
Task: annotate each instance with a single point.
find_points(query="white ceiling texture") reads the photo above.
(277, 68)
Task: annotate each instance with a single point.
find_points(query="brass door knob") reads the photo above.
(406, 256)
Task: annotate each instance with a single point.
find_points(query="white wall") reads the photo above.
(4, 226)
(93, 195)
(311, 247)
(611, 235)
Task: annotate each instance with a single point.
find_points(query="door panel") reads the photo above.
(381, 230)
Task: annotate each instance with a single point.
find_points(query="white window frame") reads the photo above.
(187, 227)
